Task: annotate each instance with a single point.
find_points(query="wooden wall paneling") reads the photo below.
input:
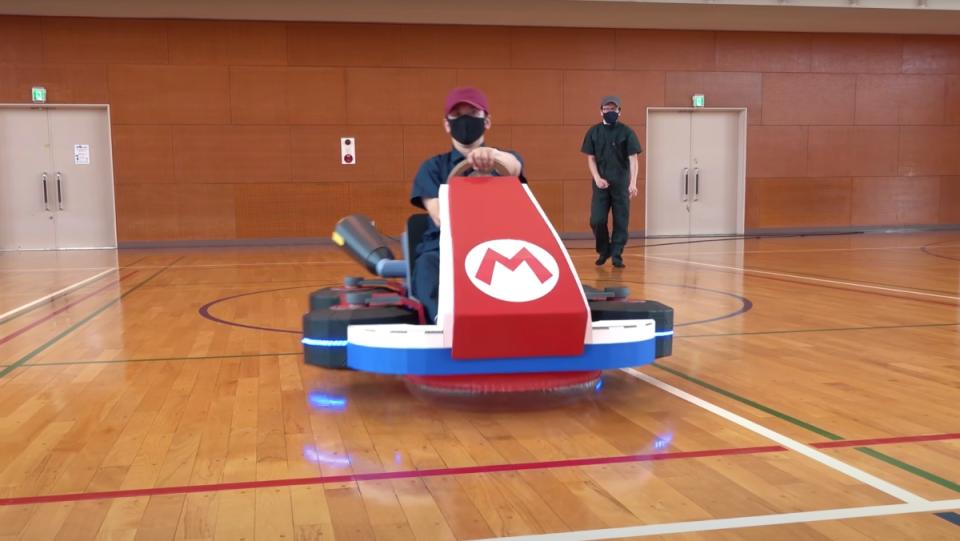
(226, 154)
(147, 212)
(638, 90)
(65, 83)
(799, 202)
(397, 95)
(931, 54)
(100, 41)
(862, 127)
(950, 200)
(929, 150)
(294, 95)
(18, 40)
(143, 154)
(764, 51)
(233, 43)
(896, 200)
(562, 48)
(207, 211)
(851, 53)
(665, 50)
(776, 151)
(901, 99)
(802, 98)
(315, 153)
(343, 44)
(295, 209)
(518, 96)
(141, 94)
(445, 46)
(720, 89)
(852, 151)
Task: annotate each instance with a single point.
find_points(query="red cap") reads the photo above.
(465, 94)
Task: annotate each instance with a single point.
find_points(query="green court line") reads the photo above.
(32, 308)
(932, 477)
(834, 329)
(756, 405)
(67, 295)
(10, 368)
(128, 265)
(157, 359)
(910, 468)
(307, 283)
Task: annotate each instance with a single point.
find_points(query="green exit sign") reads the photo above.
(698, 100)
(39, 94)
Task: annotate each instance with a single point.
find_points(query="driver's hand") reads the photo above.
(483, 159)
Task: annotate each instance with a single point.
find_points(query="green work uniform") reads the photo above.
(612, 146)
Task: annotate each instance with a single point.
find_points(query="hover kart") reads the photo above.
(512, 316)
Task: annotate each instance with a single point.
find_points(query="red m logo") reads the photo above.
(492, 257)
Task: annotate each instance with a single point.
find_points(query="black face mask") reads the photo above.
(610, 117)
(467, 129)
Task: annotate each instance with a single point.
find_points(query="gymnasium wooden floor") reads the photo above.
(813, 394)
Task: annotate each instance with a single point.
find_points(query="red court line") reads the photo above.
(380, 476)
(886, 441)
(492, 468)
(50, 316)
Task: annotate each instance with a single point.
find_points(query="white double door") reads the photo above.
(695, 172)
(56, 179)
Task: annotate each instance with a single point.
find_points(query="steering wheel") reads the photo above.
(464, 166)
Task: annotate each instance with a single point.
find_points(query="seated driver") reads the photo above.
(466, 118)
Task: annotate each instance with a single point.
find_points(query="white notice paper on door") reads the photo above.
(81, 154)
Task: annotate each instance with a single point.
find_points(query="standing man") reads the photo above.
(612, 148)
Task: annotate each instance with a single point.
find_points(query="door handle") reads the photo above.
(46, 203)
(59, 193)
(685, 193)
(696, 184)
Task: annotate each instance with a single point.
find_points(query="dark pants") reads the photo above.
(425, 284)
(617, 198)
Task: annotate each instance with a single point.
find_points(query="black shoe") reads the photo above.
(618, 262)
(601, 260)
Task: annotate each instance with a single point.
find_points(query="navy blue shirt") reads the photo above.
(432, 174)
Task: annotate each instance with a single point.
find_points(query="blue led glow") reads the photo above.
(319, 457)
(663, 441)
(664, 333)
(323, 401)
(599, 386)
(324, 343)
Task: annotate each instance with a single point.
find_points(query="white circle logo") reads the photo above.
(512, 270)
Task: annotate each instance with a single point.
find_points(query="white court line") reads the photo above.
(13, 313)
(808, 250)
(914, 503)
(801, 277)
(741, 522)
(212, 266)
(49, 269)
(789, 443)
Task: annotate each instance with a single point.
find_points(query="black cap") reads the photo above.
(610, 99)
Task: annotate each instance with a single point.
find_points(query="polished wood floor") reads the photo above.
(126, 414)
